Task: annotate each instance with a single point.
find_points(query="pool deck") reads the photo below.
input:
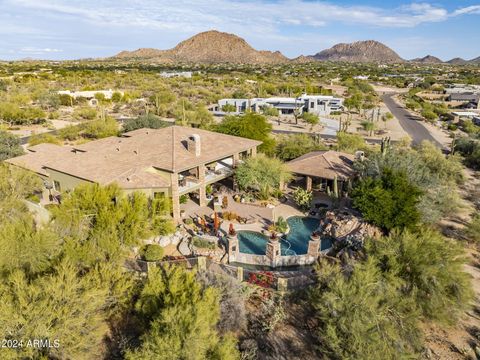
(259, 217)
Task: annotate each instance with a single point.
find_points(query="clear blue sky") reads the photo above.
(72, 29)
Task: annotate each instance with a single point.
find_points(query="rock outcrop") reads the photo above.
(360, 51)
(208, 47)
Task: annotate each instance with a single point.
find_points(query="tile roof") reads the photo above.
(37, 156)
(132, 160)
(324, 164)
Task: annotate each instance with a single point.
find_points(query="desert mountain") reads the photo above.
(218, 47)
(360, 51)
(475, 61)
(209, 47)
(429, 59)
(457, 61)
(302, 59)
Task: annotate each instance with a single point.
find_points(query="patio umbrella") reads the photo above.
(216, 223)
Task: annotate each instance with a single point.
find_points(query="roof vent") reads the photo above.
(194, 145)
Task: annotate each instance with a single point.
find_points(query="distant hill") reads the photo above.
(457, 61)
(302, 59)
(218, 47)
(429, 59)
(209, 47)
(475, 61)
(360, 51)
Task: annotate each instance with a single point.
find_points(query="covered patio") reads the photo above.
(317, 170)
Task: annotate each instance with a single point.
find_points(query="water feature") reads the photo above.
(294, 243)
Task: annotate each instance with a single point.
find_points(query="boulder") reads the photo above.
(164, 241)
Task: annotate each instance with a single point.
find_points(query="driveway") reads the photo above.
(412, 124)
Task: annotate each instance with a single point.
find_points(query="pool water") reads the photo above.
(294, 243)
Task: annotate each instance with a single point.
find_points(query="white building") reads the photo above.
(90, 94)
(317, 104)
(172, 74)
(322, 104)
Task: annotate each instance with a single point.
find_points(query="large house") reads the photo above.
(317, 104)
(171, 162)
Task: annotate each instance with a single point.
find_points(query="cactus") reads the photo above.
(349, 185)
(335, 187)
(385, 145)
(453, 145)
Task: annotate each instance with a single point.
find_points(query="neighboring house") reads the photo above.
(322, 104)
(172, 74)
(241, 105)
(90, 95)
(320, 168)
(462, 88)
(169, 162)
(467, 97)
(317, 104)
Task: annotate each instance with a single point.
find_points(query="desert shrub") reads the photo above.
(303, 198)
(151, 252)
(149, 121)
(98, 129)
(361, 316)
(9, 146)
(85, 113)
(431, 269)
(43, 138)
(389, 201)
(202, 243)
(472, 230)
(233, 315)
(71, 132)
(230, 216)
(350, 142)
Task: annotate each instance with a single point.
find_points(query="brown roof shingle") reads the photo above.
(132, 159)
(324, 164)
(37, 156)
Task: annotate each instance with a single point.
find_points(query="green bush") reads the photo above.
(43, 139)
(71, 132)
(472, 230)
(389, 201)
(202, 243)
(149, 121)
(98, 129)
(85, 113)
(281, 225)
(151, 252)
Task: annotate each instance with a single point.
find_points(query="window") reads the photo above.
(159, 195)
(312, 105)
(56, 185)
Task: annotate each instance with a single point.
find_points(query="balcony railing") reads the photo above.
(218, 173)
(187, 184)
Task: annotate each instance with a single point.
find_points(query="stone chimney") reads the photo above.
(194, 145)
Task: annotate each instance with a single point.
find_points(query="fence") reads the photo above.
(276, 280)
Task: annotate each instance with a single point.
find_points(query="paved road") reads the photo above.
(410, 123)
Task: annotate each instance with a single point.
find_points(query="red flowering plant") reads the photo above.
(265, 279)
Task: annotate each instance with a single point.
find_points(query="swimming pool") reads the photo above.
(294, 243)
